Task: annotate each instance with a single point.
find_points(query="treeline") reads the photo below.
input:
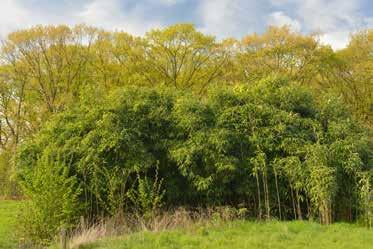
(106, 117)
(47, 68)
(272, 148)
(44, 69)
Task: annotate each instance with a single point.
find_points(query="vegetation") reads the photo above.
(271, 148)
(96, 123)
(245, 234)
(8, 223)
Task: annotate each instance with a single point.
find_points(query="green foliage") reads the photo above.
(274, 144)
(268, 122)
(366, 197)
(49, 69)
(322, 184)
(117, 181)
(147, 197)
(104, 146)
(53, 199)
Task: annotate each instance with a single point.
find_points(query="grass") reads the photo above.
(245, 234)
(8, 217)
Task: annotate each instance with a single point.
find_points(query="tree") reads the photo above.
(181, 57)
(43, 71)
(354, 77)
(279, 50)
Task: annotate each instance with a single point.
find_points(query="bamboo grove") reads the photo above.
(93, 122)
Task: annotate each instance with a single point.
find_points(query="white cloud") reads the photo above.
(329, 15)
(321, 14)
(100, 12)
(168, 2)
(335, 19)
(368, 22)
(230, 17)
(278, 18)
(337, 39)
(12, 16)
(108, 14)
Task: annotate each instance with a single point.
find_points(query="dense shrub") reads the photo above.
(273, 147)
(54, 199)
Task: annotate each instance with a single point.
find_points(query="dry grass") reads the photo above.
(129, 223)
(88, 235)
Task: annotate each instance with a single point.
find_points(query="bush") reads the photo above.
(260, 147)
(53, 199)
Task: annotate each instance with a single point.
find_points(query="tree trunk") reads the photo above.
(292, 198)
(299, 210)
(309, 209)
(278, 196)
(259, 199)
(266, 195)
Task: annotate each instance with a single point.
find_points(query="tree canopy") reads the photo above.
(277, 122)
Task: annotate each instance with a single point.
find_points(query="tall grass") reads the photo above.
(125, 224)
(247, 234)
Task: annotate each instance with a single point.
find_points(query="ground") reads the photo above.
(245, 234)
(231, 235)
(8, 220)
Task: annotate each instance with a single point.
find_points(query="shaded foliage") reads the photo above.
(273, 148)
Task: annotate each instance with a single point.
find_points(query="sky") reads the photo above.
(334, 19)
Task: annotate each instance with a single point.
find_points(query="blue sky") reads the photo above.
(334, 19)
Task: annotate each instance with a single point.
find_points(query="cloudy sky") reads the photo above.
(335, 19)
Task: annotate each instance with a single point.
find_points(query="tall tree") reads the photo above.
(279, 50)
(182, 57)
